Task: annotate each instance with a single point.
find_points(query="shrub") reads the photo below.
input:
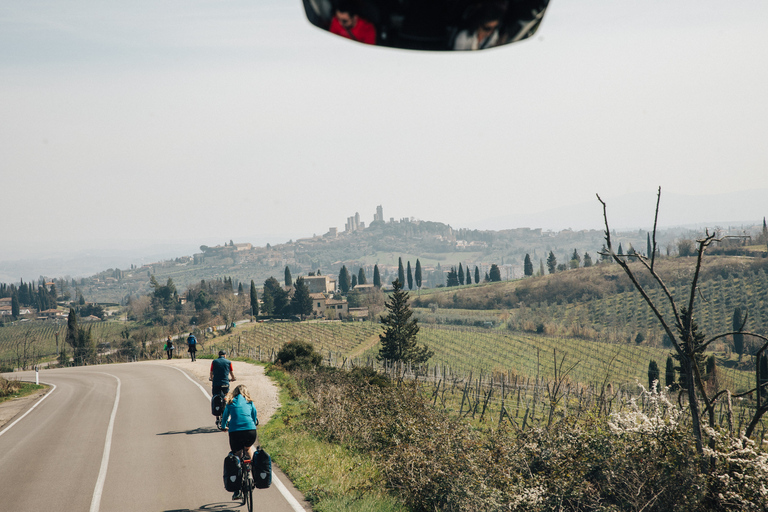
(298, 355)
(641, 459)
(9, 387)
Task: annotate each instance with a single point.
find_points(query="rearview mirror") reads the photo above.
(435, 25)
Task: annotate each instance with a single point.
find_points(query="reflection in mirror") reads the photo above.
(435, 25)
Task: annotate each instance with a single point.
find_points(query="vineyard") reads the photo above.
(491, 374)
(25, 344)
(336, 340)
(618, 318)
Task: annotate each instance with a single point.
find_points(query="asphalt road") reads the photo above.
(123, 437)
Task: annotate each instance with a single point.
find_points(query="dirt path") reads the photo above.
(361, 348)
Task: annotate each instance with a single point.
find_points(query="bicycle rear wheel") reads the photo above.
(249, 498)
(248, 488)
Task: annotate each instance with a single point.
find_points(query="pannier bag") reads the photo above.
(233, 472)
(217, 405)
(262, 470)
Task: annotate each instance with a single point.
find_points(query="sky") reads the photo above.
(127, 124)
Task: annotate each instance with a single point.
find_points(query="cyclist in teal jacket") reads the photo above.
(239, 417)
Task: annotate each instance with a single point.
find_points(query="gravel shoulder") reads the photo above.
(12, 408)
(264, 392)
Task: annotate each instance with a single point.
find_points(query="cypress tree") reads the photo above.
(344, 280)
(361, 276)
(738, 338)
(461, 274)
(353, 282)
(477, 274)
(648, 246)
(469, 276)
(669, 374)
(410, 276)
(400, 271)
(417, 275)
(527, 266)
(254, 300)
(653, 374)
(288, 279)
(376, 276)
(15, 305)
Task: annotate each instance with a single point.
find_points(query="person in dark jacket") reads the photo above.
(169, 347)
(221, 374)
(192, 346)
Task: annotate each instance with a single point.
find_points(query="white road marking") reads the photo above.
(293, 502)
(194, 382)
(97, 491)
(6, 429)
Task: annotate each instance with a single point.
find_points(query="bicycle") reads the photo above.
(217, 404)
(246, 483)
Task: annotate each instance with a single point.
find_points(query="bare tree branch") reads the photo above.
(655, 222)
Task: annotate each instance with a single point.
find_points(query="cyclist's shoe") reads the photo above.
(237, 496)
(218, 422)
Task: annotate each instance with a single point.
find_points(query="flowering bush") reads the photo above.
(740, 472)
(643, 459)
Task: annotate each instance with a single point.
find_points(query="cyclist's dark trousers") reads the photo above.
(215, 390)
(241, 439)
(192, 352)
(170, 353)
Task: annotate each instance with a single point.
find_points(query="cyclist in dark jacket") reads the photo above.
(221, 374)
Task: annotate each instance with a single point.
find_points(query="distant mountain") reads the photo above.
(635, 211)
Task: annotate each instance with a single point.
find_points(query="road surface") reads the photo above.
(127, 437)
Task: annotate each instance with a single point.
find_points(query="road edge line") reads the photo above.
(99, 489)
(194, 382)
(292, 501)
(6, 429)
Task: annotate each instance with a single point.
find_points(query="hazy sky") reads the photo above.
(207, 121)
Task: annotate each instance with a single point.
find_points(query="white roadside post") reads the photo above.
(37, 376)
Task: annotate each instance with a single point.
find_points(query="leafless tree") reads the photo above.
(680, 329)
(25, 349)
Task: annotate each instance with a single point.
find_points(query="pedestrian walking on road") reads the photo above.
(169, 348)
(192, 346)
